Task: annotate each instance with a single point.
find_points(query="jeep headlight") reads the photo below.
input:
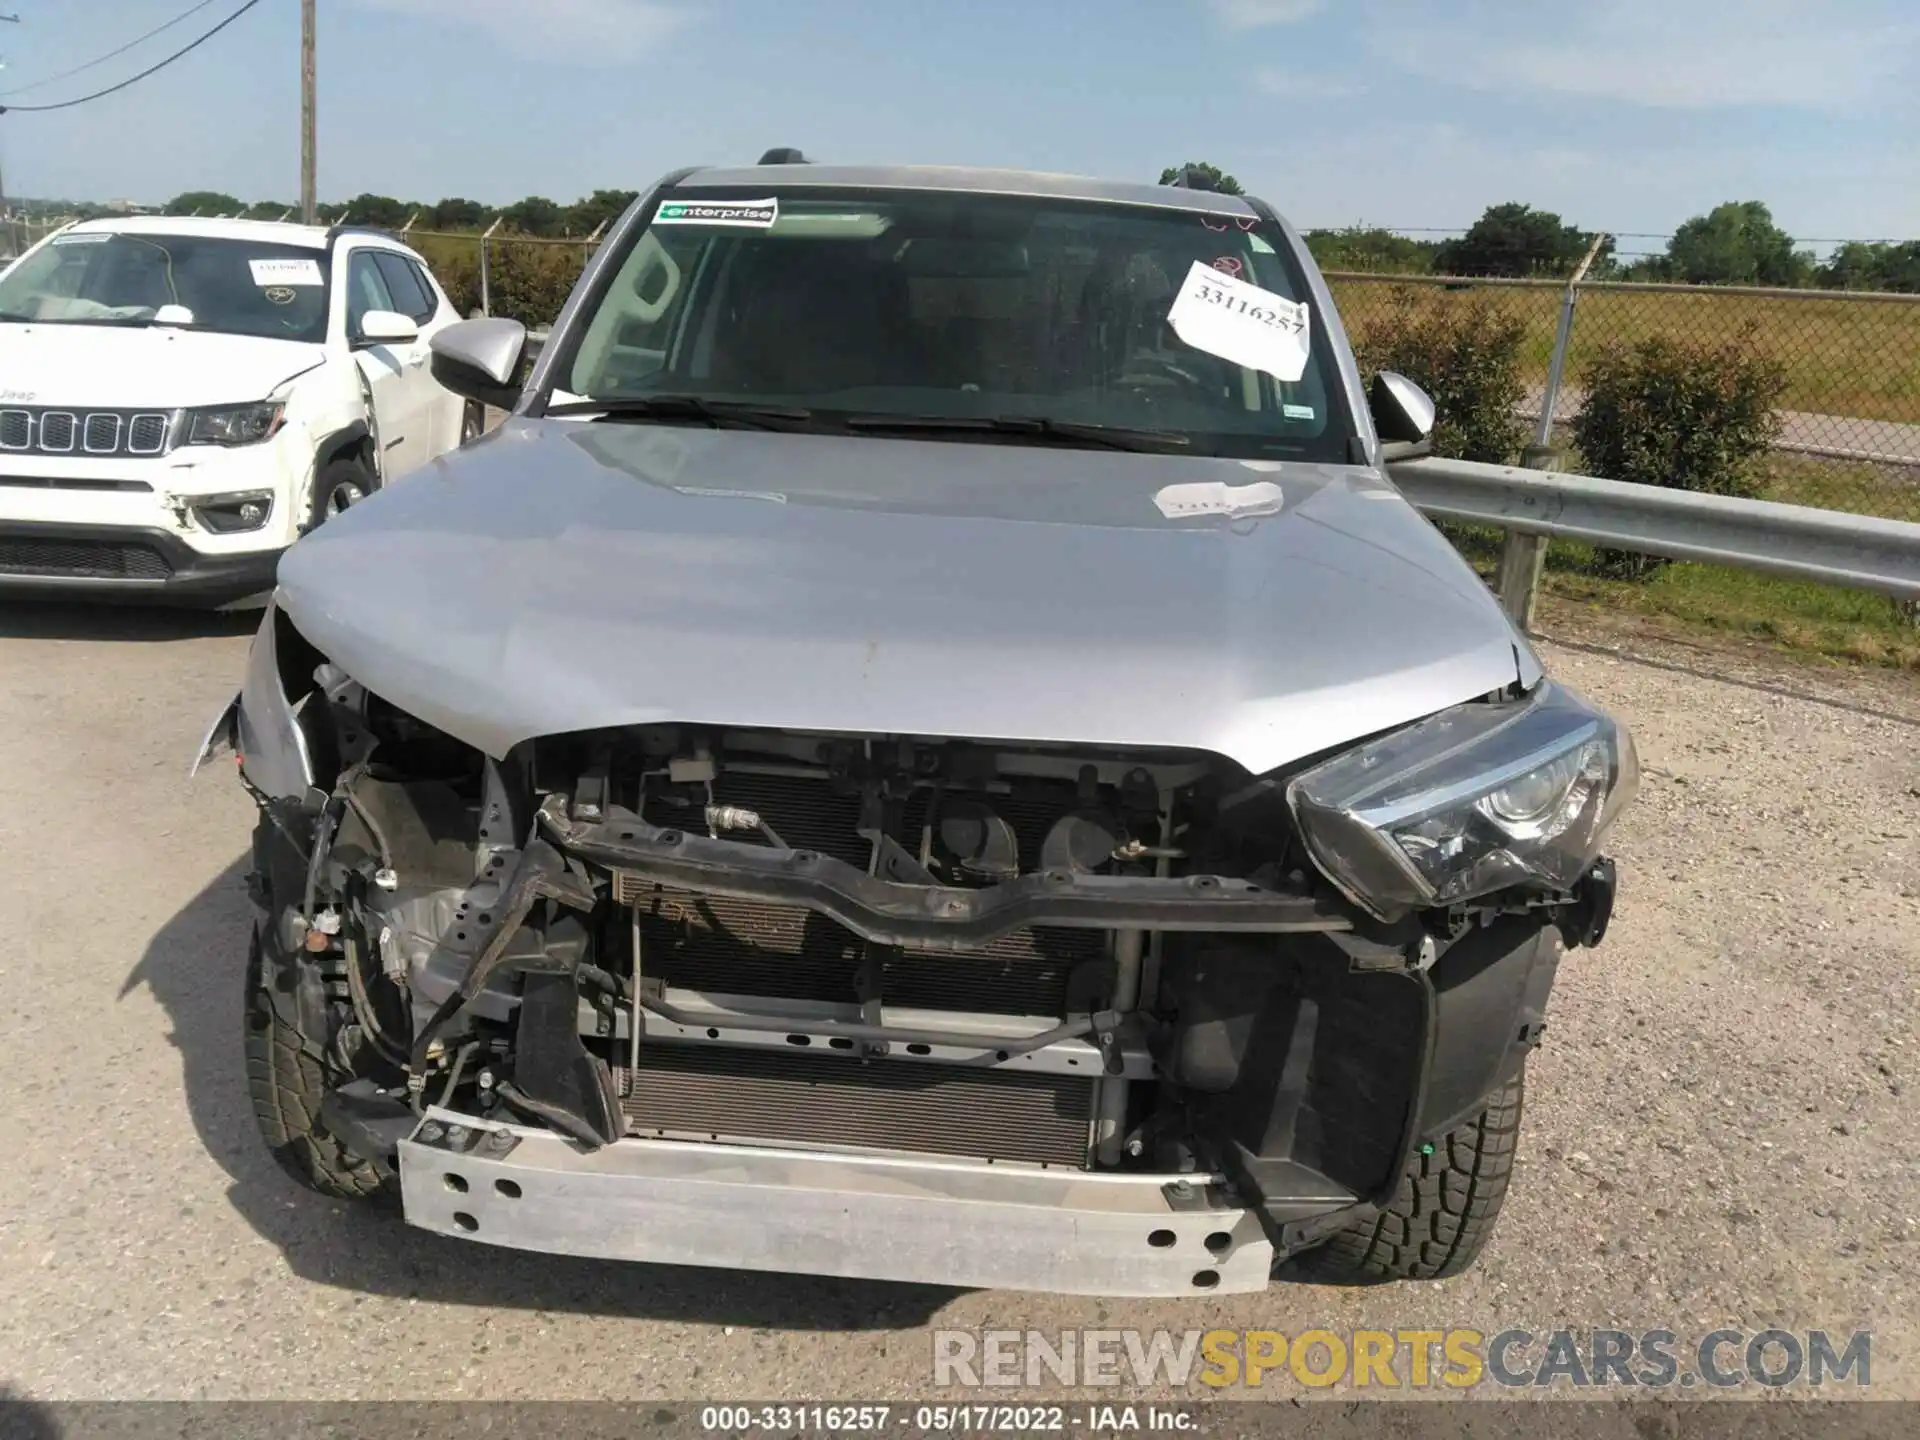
(236, 424)
(1472, 800)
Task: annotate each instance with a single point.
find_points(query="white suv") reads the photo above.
(181, 399)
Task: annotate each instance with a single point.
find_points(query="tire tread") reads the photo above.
(1444, 1212)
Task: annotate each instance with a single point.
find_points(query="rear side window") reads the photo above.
(410, 297)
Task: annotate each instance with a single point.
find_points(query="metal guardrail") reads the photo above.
(1862, 552)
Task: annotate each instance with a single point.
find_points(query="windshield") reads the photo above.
(964, 316)
(235, 287)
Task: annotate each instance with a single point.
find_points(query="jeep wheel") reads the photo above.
(342, 483)
(286, 1081)
(1443, 1215)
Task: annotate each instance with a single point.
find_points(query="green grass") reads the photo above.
(1855, 358)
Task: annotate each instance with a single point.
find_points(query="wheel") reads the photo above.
(473, 422)
(342, 483)
(286, 1081)
(1443, 1214)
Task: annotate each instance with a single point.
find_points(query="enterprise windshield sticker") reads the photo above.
(84, 237)
(285, 272)
(1297, 412)
(1214, 497)
(744, 214)
(1241, 323)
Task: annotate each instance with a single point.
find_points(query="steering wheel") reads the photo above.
(1150, 374)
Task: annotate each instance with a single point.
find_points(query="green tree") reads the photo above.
(1202, 176)
(205, 202)
(271, 210)
(382, 211)
(1858, 265)
(1516, 240)
(535, 215)
(1736, 244)
(456, 213)
(603, 207)
(1363, 248)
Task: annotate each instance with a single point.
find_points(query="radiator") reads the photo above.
(713, 1092)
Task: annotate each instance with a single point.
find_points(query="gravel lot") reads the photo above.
(1722, 1129)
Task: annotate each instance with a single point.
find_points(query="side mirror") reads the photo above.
(480, 360)
(1402, 414)
(386, 327)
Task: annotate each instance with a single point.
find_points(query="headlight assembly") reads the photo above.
(1469, 801)
(236, 424)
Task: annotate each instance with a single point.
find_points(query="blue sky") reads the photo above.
(1625, 114)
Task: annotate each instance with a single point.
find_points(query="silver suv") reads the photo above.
(926, 747)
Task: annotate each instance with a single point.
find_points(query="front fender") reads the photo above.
(274, 754)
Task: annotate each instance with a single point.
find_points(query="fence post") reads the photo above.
(486, 280)
(1524, 557)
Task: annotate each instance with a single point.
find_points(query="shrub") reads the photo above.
(1687, 415)
(1467, 357)
(527, 282)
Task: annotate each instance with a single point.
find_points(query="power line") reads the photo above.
(101, 60)
(161, 65)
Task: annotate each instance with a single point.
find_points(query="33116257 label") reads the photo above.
(1241, 323)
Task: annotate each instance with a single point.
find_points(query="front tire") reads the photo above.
(1443, 1214)
(340, 484)
(286, 1082)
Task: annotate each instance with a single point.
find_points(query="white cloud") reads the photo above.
(585, 31)
(1256, 14)
(1291, 83)
(1667, 54)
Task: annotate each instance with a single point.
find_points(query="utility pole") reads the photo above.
(6, 210)
(309, 208)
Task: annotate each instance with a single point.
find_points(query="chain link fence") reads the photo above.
(1847, 421)
(1805, 397)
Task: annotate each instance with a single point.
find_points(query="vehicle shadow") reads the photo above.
(194, 965)
(41, 620)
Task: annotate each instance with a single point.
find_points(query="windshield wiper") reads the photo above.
(1039, 427)
(717, 413)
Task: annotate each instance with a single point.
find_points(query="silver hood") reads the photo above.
(566, 575)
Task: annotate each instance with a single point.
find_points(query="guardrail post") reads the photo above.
(1524, 557)
(486, 286)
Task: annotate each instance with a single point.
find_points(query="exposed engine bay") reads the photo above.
(1017, 954)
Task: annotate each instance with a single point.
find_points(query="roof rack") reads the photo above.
(784, 155)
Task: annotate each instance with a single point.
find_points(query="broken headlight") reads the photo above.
(1472, 800)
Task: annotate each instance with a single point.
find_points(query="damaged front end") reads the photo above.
(909, 1007)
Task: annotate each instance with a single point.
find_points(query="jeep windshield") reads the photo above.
(959, 316)
(215, 283)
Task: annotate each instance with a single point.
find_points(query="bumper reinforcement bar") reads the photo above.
(863, 1217)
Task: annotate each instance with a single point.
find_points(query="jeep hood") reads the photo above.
(143, 367)
(569, 575)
